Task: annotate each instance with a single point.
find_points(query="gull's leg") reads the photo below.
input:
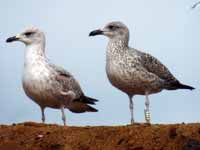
(63, 114)
(131, 108)
(43, 115)
(147, 111)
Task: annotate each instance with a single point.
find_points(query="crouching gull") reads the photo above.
(47, 84)
(132, 71)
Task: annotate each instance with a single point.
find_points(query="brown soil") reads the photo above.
(35, 136)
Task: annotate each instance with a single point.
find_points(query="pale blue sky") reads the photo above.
(167, 29)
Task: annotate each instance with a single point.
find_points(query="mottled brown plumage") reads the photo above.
(47, 84)
(132, 71)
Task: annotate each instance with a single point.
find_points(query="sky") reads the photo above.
(167, 29)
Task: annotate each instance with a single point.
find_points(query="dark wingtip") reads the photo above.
(92, 109)
(91, 100)
(183, 86)
(86, 99)
(177, 85)
(96, 32)
(192, 88)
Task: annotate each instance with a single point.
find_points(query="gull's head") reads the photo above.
(29, 36)
(112, 30)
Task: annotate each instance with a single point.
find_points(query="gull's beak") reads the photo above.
(96, 32)
(14, 38)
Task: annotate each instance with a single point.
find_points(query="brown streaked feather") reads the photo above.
(67, 81)
(154, 66)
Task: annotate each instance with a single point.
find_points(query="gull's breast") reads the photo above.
(38, 83)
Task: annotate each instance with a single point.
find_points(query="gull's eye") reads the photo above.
(28, 33)
(112, 27)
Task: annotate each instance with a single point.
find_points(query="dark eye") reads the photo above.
(112, 27)
(28, 33)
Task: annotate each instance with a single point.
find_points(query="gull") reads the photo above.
(46, 84)
(132, 71)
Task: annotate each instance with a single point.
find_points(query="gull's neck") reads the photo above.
(117, 45)
(35, 53)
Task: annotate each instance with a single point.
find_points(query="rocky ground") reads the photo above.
(36, 136)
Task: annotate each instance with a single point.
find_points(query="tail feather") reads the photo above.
(91, 109)
(178, 85)
(77, 107)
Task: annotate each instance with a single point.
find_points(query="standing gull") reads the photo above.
(46, 84)
(132, 71)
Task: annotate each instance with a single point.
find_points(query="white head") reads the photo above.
(29, 37)
(113, 30)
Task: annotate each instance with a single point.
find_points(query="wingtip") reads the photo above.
(92, 100)
(92, 109)
(183, 86)
(192, 88)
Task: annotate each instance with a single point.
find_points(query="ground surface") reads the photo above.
(34, 136)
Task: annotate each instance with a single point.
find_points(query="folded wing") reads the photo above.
(80, 102)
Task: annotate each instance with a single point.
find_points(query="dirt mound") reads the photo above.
(35, 136)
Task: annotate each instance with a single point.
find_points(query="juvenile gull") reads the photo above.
(47, 84)
(132, 71)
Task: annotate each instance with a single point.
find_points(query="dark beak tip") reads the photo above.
(96, 32)
(90, 34)
(11, 39)
(8, 40)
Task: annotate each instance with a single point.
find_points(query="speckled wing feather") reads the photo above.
(67, 81)
(154, 66)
